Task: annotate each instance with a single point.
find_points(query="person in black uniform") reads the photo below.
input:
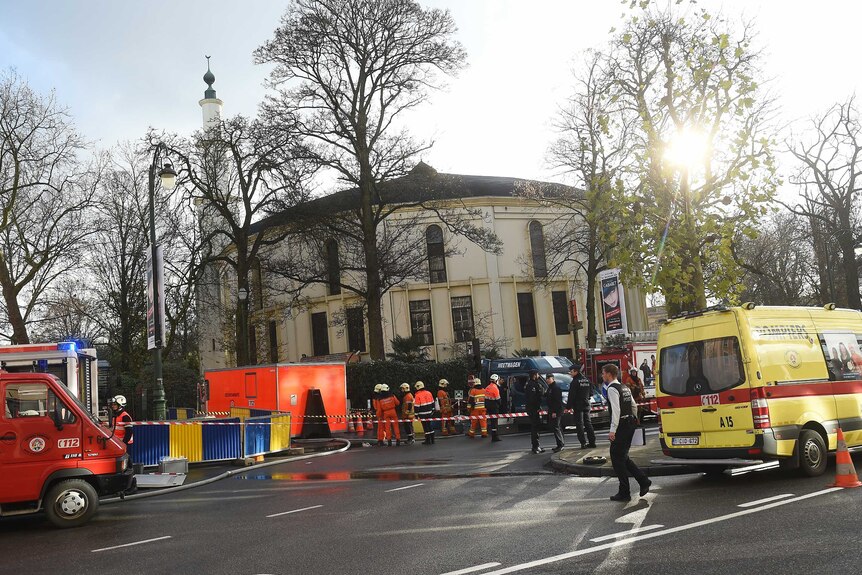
(555, 411)
(534, 391)
(580, 393)
(623, 423)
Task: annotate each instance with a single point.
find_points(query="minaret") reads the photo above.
(210, 105)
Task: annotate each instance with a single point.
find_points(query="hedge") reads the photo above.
(362, 377)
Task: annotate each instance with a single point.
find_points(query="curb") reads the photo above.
(224, 475)
(605, 469)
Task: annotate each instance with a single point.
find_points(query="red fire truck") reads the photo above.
(76, 368)
(55, 455)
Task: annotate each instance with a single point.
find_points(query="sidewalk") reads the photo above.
(571, 461)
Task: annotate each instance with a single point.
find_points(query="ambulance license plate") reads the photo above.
(684, 440)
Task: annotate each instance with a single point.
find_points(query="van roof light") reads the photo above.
(687, 314)
(829, 306)
(748, 306)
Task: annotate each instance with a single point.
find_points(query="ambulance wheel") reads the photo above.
(71, 503)
(812, 453)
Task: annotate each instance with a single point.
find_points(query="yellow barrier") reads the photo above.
(280, 433)
(186, 441)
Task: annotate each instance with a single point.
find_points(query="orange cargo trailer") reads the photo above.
(281, 387)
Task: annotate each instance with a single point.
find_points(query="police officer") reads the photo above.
(121, 419)
(555, 411)
(579, 402)
(623, 424)
(534, 391)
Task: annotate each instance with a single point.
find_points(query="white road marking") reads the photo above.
(472, 569)
(766, 500)
(402, 488)
(636, 538)
(294, 511)
(625, 533)
(131, 544)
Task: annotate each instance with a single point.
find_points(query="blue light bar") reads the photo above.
(66, 346)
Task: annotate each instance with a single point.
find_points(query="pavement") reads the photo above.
(571, 460)
(458, 507)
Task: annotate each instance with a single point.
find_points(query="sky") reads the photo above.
(124, 66)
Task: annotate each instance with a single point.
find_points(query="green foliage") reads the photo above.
(701, 76)
(407, 350)
(525, 352)
(362, 377)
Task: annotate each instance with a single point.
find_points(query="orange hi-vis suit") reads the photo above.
(407, 413)
(387, 415)
(445, 411)
(477, 398)
(492, 404)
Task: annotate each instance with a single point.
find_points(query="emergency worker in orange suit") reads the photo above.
(374, 397)
(447, 425)
(120, 418)
(477, 404)
(407, 412)
(492, 404)
(387, 415)
(467, 408)
(425, 411)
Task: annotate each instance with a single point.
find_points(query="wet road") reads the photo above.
(459, 505)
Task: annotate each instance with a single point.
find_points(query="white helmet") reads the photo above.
(495, 377)
(405, 387)
(119, 400)
(377, 387)
(384, 387)
(444, 382)
(419, 385)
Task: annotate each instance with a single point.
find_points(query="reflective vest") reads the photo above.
(477, 397)
(119, 425)
(424, 403)
(445, 402)
(407, 406)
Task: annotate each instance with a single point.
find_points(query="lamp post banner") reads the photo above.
(613, 302)
(155, 340)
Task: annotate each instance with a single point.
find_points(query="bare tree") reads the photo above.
(350, 70)
(45, 191)
(830, 179)
(594, 147)
(777, 262)
(239, 171)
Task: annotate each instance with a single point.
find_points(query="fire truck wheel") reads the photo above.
(71, 503)
(812, 453)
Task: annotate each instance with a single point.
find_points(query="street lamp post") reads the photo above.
(243, 351)
(168, 178)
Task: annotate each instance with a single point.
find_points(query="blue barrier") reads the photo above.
(222, 441)
(257, 436)
(150, 444)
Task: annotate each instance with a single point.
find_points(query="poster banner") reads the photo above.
(155, 340)
(613, 302)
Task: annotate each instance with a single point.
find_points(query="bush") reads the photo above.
(362, 377)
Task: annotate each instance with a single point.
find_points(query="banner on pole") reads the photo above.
(155, 339)
(613, 302)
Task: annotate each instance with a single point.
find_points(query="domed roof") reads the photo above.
(209, 78)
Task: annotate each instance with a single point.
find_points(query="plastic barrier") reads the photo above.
(180, 413)
(267, 434)
(194, 440)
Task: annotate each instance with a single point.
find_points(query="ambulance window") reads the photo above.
(34, 400)
(842, 355)
(701, 367)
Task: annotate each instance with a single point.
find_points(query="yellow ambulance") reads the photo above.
(760, 383)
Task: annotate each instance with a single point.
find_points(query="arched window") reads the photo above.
(436, 254)
(537, 249)
(333, 267)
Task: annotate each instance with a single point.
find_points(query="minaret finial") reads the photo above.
(209, 78)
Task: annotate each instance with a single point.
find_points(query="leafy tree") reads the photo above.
(705, 167)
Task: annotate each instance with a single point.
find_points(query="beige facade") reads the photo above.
(493, 292)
